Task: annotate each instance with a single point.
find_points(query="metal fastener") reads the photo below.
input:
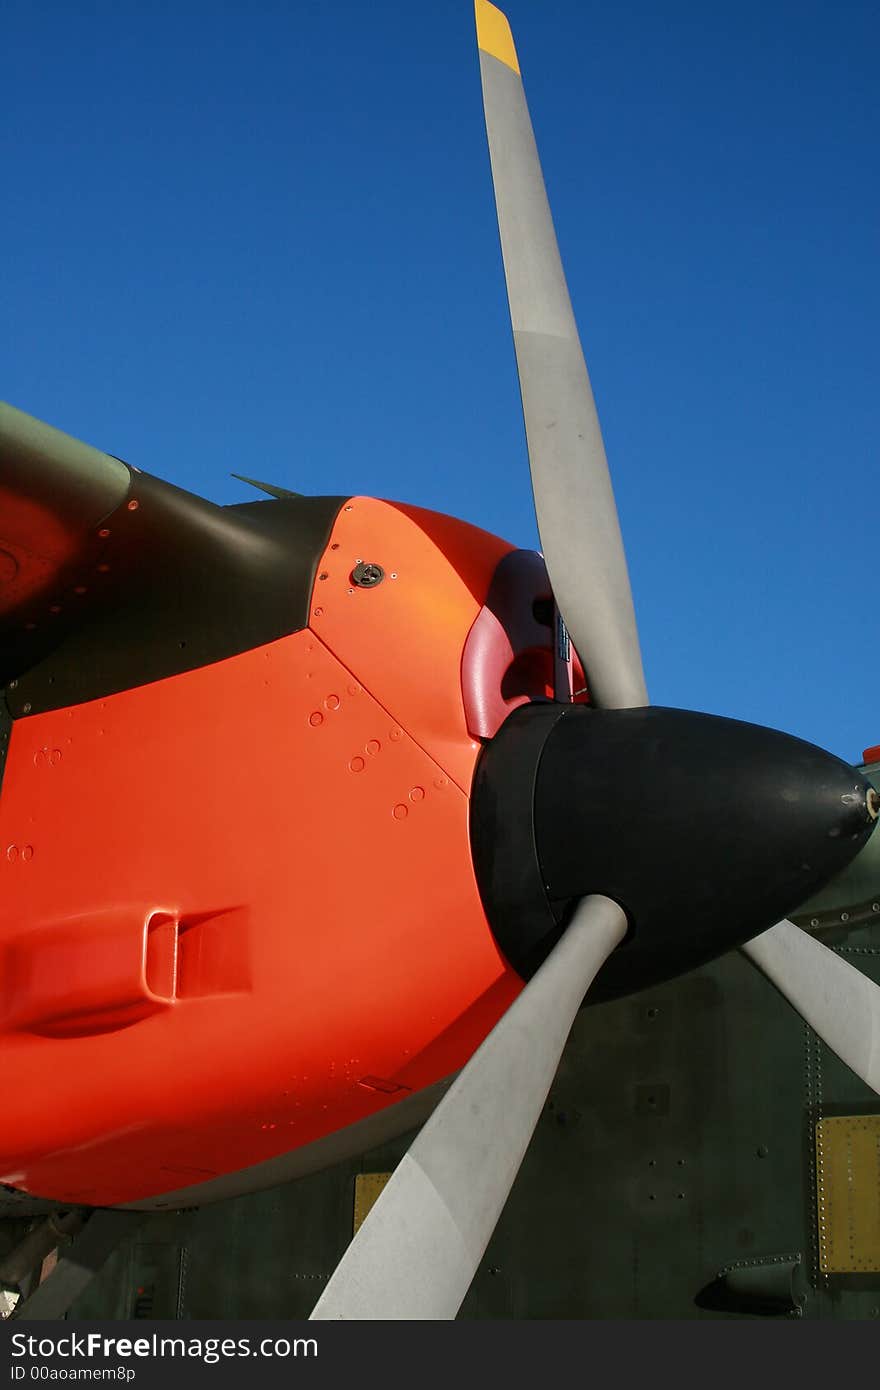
(366, 575)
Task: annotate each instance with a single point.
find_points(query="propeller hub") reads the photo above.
(705, 830)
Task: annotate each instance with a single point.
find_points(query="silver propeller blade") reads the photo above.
(574, 500)
(840, 1003)
(418, 1250)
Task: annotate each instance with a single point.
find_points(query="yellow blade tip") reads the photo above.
(493, 34)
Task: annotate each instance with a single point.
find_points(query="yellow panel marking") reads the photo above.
(367, 1187)
(493, 33)
(848, 1179)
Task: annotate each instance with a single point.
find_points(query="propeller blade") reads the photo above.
(840, 1003)
(418, 1250)
(574, 500)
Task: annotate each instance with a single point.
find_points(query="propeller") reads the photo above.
(707, 830)
(447, 1194)
(574, 500)
(840, 1003)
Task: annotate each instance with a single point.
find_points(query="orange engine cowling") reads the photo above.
(238, 911)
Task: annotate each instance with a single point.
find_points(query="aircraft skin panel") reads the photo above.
(382, 1127)
(112, 578)
(54, 490)
(238, 908)
(437, 573)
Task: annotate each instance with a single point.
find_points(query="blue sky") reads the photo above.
(261, 237)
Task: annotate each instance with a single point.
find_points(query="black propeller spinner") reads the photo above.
(705, 830)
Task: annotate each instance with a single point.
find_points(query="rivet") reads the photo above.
(325, 575)
(373, 747)
(104, 532)
(331, 702)
(417, 794)
(133, 505)
(316, 718)
(27, 707)
(357, 765)
(395, 735)
(400, 811)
